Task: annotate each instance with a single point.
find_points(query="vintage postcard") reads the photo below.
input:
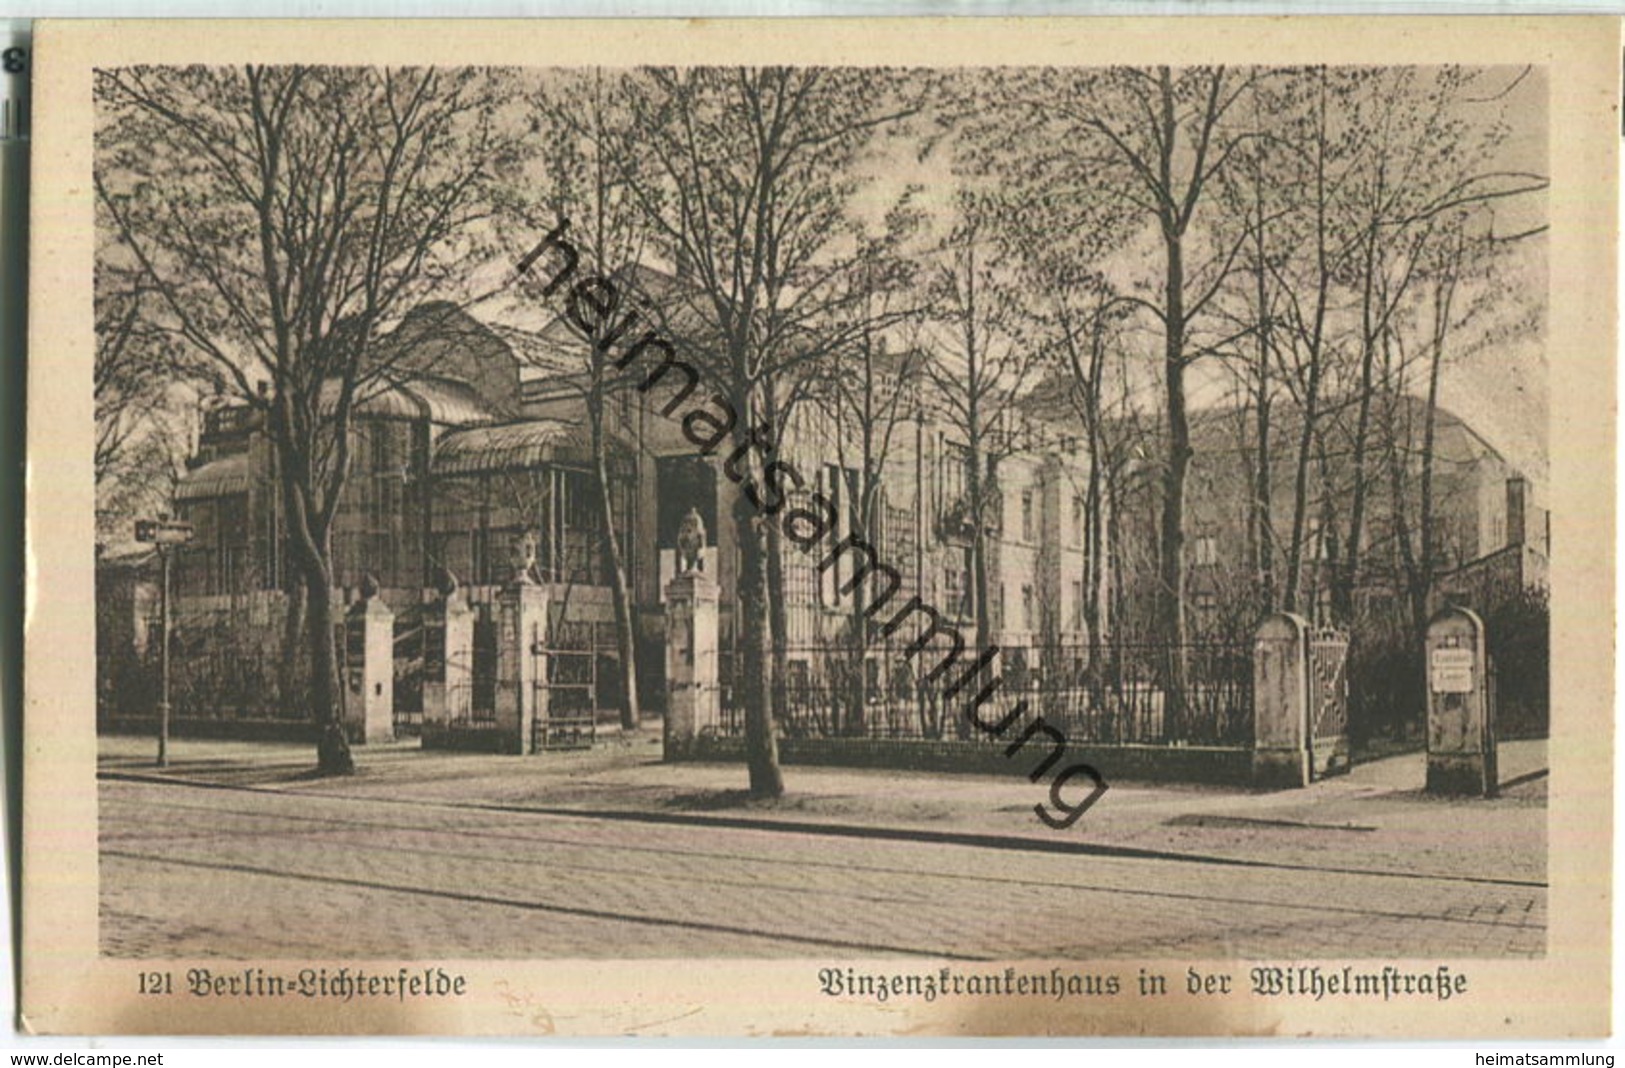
(799, 528)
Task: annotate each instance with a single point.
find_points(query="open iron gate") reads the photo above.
(1328, 702)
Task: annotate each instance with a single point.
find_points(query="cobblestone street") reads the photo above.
(261, 874)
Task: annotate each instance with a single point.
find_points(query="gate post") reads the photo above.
(691, 661)
(521, 663)
(369, 627)
(1281, 702)
(1461, 723)
(448, 670)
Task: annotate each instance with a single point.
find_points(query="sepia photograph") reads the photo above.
(1051, 533)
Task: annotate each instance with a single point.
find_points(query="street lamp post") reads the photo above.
(163, 533)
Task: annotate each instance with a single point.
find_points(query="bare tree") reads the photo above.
(1161, 139)
(1315, 159)
(747, 179)
(283, 217)
(1064, 231)
(1464, 306)
(983, 360)
(588, 149)
(1430, 156)
(140, 442)
(867, 395)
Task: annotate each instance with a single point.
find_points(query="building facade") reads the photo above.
(475, 442)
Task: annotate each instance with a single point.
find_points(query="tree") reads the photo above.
(1314, 155)
(1435, 147)
(868, 393)
(138, 369)
(282, 218)
(1064, 230)
(1162, 139)
(982, 364)
(746, 177)
(1461, 288)
(589, 148)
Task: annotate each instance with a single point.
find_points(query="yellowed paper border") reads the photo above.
(68, 988)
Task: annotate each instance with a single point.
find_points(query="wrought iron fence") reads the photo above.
(463, 705)
(1197, 693)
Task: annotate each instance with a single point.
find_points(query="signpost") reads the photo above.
(162, 533)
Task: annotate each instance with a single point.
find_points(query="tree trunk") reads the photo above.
(312, 556)
(1264, 510)
(1348, 573)
(1300, 497)
(778, 624)
(620, 595)
(1171, 562)
(979, 574)
(332, 747)
(289, 675)
(777, 613)
(752, 626)
(1261, 515)
(1423, 588)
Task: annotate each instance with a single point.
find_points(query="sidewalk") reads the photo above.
(1373, 819)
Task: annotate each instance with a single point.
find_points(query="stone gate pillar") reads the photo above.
(459, 658)
(1281, 702)
(369, 637)
(691, 661)
(521, 664)
(447, 664)
(1461, 721)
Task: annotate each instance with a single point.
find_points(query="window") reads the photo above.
(1027, 607)
(952, 478)
(839, 486)
(1077, 522)
(956, 590)
(386, 451)
(480, 565)
(234, 558)
(1206, 549)
(1027, 515)
(571, 544)
(1077, 604)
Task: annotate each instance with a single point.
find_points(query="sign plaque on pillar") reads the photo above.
(1461, 716)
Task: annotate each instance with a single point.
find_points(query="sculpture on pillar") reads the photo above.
(691, 543)
(524, 559)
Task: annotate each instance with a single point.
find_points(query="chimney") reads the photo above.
(1517, 490)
